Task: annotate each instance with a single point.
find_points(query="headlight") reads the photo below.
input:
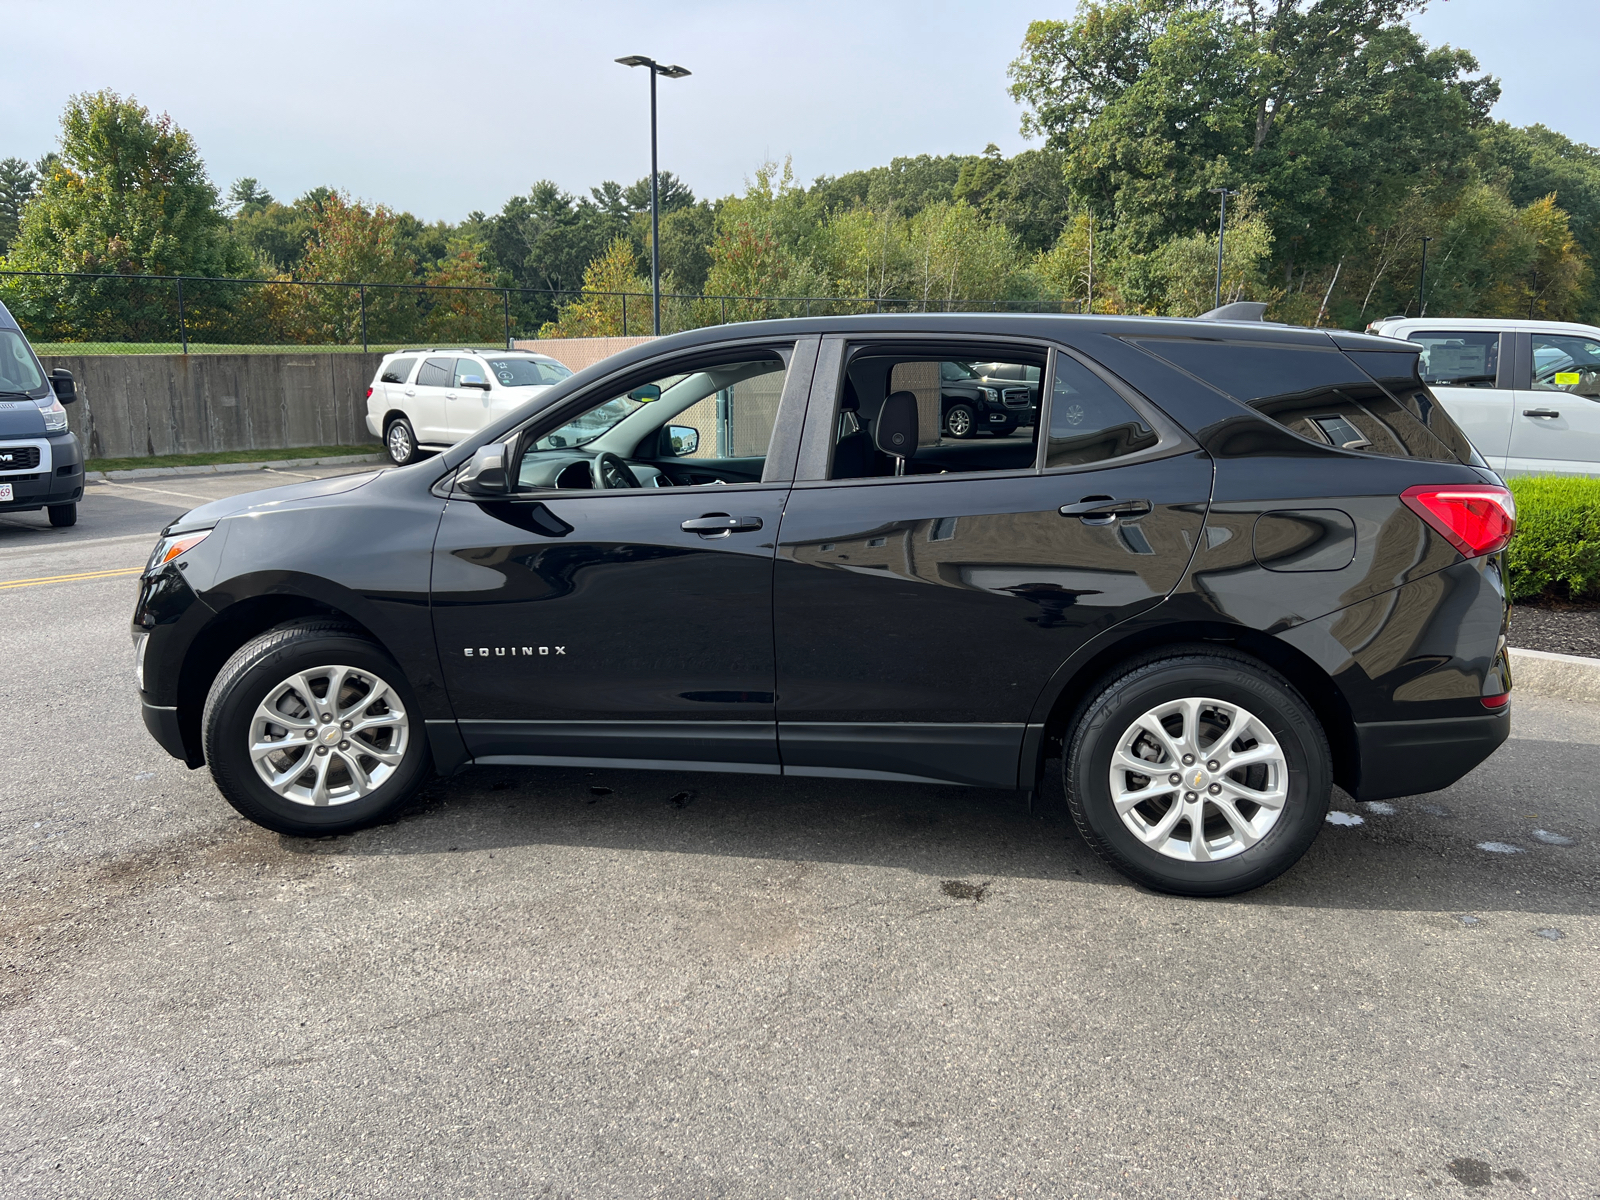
(140, 643)
(55, 416)
(989, 394)
(168, 548)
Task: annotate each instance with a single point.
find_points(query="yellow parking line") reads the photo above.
(22, 583)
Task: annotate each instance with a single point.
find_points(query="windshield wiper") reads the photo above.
(24, 395)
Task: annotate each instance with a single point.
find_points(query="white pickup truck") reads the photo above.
(1526, 392)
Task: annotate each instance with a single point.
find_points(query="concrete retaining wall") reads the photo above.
(134, 405)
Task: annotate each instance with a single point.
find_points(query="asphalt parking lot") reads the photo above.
(575, 984)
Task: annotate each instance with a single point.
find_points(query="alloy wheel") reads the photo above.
(400, 447)
(328, 735)
(960, 422)
(1198, 779)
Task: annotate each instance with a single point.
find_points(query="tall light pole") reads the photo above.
(639, 60)
(1222, 225)
(1422, 281)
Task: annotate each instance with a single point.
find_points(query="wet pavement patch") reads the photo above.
(1473, 1172)
(1343, 818)
(960, 889)
(1469, 919)
(1550, 935)
(680, 799)
(1500, 848)
(1380, 808)
(1433, 810)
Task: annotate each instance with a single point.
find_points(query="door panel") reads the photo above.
(467, 409)
(1555, 426)
(917, 619)
(594, 628)
(425, 400)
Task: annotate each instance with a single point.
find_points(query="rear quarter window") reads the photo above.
(398, 371)
(1322, 395)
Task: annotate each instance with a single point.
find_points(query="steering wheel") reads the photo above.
(611, 472)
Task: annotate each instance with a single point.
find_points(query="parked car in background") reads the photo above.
(41, 461)
(993, 397)
(428, 400)
(1230, 566)
(1526, 392)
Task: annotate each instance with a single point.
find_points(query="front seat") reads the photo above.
(853, 456)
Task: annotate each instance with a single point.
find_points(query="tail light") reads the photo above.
(1475, 518)
(1493, 702)
(369, 393)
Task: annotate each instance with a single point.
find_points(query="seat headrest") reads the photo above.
(895, 431)
(849, 401)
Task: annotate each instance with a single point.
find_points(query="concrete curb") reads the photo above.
(1568, 676)
(136, 473)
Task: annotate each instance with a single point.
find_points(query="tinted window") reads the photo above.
(398, 371)
(971, 415)
(1467, 360)
(1089, 422)
(437, 372)
(1399, 374)
(1320, 394)
(527, 372)
(1564, 362)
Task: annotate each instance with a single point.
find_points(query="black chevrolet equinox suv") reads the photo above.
(1230, 566)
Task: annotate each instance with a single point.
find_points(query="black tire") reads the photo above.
(960, 420)
(400, 440)
(63, 516)
(256, 670)
(1228, 677)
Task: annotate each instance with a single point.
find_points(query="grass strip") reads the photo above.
(228, 456)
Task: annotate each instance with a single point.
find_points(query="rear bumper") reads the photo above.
(374, 426)
(1407, 758)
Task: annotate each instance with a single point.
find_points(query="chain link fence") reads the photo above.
(78, 313)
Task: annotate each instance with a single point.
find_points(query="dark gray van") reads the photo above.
(41, 462)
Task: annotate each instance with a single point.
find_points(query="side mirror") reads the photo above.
(487, 474)
(645, 393)
(680, 441)
(61, 380)
(474, 381)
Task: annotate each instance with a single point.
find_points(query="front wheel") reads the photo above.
(401, 442)
(960, 421)
(312, 729)
(1201, 773)
(63, 516)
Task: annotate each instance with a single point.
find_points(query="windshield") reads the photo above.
(19, 370)
(526, 372)
(956, 370)
(589, 426)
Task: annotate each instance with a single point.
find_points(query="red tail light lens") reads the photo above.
(369, 393)
(1475, 518)
(1500, 701)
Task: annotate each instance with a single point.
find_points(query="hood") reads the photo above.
(269, 498)
(20, 417)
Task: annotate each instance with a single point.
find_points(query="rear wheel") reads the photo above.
(312, 730)
(401, 442)
(63, 516)
(1201, 773)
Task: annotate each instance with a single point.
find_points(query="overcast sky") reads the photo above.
(445, 108)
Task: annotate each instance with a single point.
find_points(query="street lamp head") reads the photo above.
(673, 72)
(639, 60)
(636, 60)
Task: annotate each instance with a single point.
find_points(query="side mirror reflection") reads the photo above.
(682, 440)
(65, 388)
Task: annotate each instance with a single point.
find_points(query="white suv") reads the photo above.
(1526, 392)
(424, 400)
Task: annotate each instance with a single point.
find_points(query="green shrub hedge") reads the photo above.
(1556, 552)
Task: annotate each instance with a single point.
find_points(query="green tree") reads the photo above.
(17, 183)
(247, 195)
(1330, 110)
(128, 195)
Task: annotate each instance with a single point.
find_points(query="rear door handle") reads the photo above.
(1540, 412)
(1102, 510)
(720, 525)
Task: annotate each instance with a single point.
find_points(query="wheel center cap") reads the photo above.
(331, 735)
(1197, 779)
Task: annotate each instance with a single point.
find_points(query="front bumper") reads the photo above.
(162, 722)
(1407, 758)
(58, 478)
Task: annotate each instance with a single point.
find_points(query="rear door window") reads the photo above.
(1464, 360)
(436, 372)
(1564, 362)
(1319, 394)
(1089, 421)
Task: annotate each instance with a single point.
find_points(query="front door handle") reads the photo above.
(720, 525)
(1540, 412)
(1102, 510)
